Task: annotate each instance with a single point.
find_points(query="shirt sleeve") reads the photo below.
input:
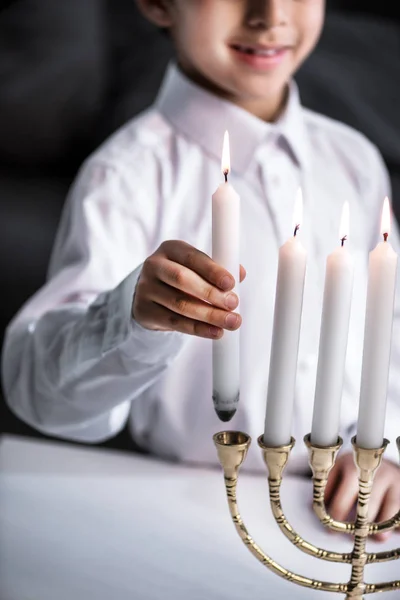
(73, 358)
(378, 188)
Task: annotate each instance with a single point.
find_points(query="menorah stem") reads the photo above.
(359, 555)
(367, 461)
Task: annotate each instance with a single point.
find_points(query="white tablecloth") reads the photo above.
(80, 524)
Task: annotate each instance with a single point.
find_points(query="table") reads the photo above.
(85, 523)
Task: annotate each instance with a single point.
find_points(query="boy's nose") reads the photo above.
(265, 14)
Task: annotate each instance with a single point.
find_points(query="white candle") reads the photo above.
(225, 252)
(333, 340)
(377, 339)
(285, 336)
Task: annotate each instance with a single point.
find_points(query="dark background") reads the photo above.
(72, 72)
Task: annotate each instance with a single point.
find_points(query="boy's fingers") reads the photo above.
(171, 321)
(387, 508)
(178, 277)
(188, 306)
(199, 262)
(333, 482)
(242, 273)
(377, 502)
(344, 497)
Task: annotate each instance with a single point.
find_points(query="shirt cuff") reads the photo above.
(149, 346)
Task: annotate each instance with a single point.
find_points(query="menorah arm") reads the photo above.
(384, 556)
(319, 507)
(345, 527)
(390, 524)
(385, 526)
(231, 484)
(321, 461)
(290, 533)
(390, 586)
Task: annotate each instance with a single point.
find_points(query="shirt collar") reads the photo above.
(188, 107)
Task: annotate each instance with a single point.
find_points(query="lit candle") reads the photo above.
(377, 339)
(225, 252)
(333, 340)
(285, 336)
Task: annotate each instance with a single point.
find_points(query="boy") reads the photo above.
(131, 274)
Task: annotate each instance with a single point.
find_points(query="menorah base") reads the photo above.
(232, 448)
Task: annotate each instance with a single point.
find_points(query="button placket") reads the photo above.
(280, 182)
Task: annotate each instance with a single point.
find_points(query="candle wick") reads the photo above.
(226, 175)
(385, 237)
(343, 240)
(296, 230)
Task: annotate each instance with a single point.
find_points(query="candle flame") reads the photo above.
(226, 155)
(345, 222)
(385, 223)
(298, 211)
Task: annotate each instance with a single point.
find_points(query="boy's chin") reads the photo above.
(267, 92)
(242, 87)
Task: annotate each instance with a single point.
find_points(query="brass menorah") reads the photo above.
(232, 448)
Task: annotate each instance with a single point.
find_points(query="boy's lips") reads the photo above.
(260, 56)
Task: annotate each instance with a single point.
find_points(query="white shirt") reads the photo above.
(77, 366)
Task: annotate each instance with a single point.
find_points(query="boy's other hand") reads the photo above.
(182, 289)
(342, 492)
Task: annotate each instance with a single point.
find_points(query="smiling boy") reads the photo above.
(104, 341)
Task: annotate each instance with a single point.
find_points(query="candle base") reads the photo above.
(232, 448)
(225, 415)
(225, 410)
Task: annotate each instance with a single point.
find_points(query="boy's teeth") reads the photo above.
(259, 51)
(266, 52)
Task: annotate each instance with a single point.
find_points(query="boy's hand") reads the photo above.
(342, 491)
(182, 289)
